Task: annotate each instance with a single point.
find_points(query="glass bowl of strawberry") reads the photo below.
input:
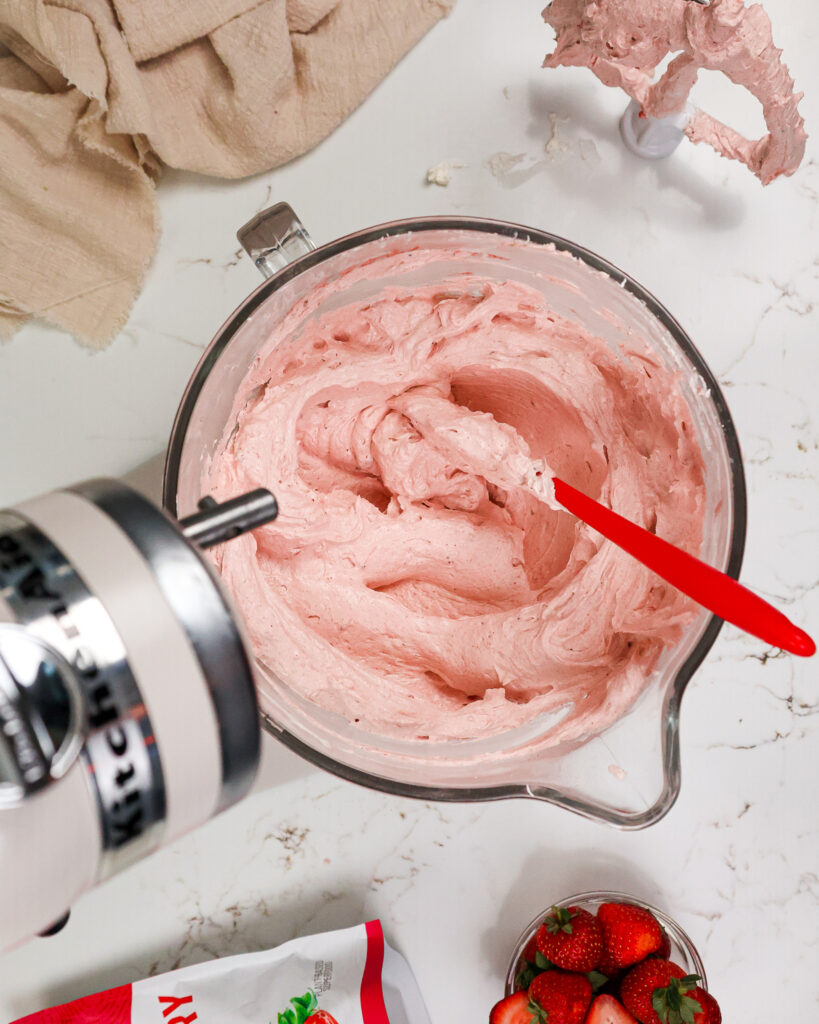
(605, 958)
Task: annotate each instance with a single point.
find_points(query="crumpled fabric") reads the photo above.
(96, 96)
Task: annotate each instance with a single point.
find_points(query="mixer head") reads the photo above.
(127, 697)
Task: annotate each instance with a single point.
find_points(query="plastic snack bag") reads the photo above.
(344, 977)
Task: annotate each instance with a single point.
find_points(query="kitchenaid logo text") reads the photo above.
(125, 812)
(175, 1009)
(32, 580)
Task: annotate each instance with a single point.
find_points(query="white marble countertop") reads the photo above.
(736, 860)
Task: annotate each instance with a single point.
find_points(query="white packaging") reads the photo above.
(344, 977)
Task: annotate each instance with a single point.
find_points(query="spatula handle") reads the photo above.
(709, 587)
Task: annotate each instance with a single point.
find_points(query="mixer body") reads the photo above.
(128, 712)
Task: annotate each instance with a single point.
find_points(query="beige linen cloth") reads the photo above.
(96, 95)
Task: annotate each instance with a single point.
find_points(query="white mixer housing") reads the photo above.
(127, 705)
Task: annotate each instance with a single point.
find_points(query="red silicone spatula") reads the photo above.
(707, 586)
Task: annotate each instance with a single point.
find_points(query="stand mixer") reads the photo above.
(128, 711)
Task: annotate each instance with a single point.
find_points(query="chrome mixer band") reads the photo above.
(188, 586)
(49, 599)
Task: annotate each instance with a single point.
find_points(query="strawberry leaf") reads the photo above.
(539, 1015)
(526, 976)
(597, 980)
(559, 921)
(303, 1006)
(662, 1001)
(692, 1007)
(542, 962)
(687, 1012)
(672, 1005)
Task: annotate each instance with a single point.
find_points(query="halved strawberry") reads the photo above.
(513, 1009)
(571, 938)
(630, 934)
(607, 1010)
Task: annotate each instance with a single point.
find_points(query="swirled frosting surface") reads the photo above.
(420, 580)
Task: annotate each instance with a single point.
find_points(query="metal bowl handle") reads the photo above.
(274, 238)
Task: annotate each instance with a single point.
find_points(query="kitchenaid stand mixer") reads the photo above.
(128, 711)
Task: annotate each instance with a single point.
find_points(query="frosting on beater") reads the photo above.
(624, 41)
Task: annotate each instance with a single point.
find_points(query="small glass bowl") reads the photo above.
(683, 951)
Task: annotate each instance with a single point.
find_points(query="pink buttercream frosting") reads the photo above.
(420, 580)
(624, 41)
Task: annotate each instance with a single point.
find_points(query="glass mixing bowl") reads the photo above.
(629, 774)
(683, 951)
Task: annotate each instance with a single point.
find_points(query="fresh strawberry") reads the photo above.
(630, 934)
(711, 1013)
(659, 992)
(571, 938)
(606, 1010)
(664, 952)
(321, 1017)
(560, 998)
(530, 949)
(513, 1009)
(530, 964)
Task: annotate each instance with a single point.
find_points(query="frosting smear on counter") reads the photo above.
(420, 580)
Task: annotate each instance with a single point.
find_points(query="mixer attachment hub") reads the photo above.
(217, 522)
